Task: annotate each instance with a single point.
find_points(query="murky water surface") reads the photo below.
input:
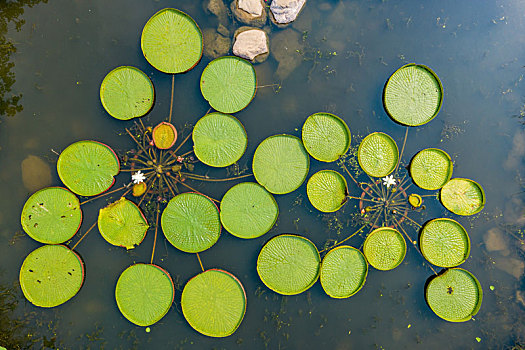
(347, 51)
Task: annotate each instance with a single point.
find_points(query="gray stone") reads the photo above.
(222, 30)
(36, 174)
(246, 11)
(286, 11)
(512, 266)
(250, 43)
(495, 241)
(217, 8)
(284, 48)
(215, 45)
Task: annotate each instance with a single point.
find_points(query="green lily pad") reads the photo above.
(378, 154)
(413, 95)
(171, 41)
(343, 272)
(454, 295)
(228, 83)
(191, 222)
(122, 224)
(281, 164)
(51, 275)
(385, 248)
(214, 303)
(144, 293)
(164, 135)
(327, 190)
(88, 168)
(326, 137)
(248, 210)
(126, 93)
(444, 242)
(431, 168)
(288, 264)
(219, 139)
(462, 196)
(51, 215)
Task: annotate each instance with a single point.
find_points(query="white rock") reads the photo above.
(253, 7)
(286, 11)
(250, 44)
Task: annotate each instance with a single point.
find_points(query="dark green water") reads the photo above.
(65, 48)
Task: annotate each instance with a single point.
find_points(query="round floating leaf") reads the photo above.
(87, 168)
(144, 294)
(413, 95)
(51, 215)
(248, 210)
(343, 272)
(51, 275)
(214, 303)
(326, 137)
(164, 135)
(415, 200)
(126, 92)
(455, 295)
(431, 168)
(122, 224)
(378, 154)
(219, 139)
(228, 83)
(281, 164)
(444, 242)
(385, 248)
(462, 196)
(288, 264)
(191, 222)
(327, 190)
(171, 41)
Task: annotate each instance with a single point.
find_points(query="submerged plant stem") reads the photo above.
(104, 194)
(171, 100)
(156, 230)
(402, 150)
(84, 235)
(203, 178)
(194, 190)
(346, 239)
(200, 262)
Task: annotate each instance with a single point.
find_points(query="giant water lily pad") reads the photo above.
(431, 168)
(171, 41)
(51, 215)
(326, 137)
(385, 248)
(288, 264)
(343, 272)
(444, 242)
(126, 92)
(248, 210)
(164, 135)
(327, 190)
(378, 154)
(462, 196)
(88, 168)
(228, 84)
(413, 95)
(191, 222)
(281, 164)
(122, 224)
(455, 295)
(51, 275)
(219, 139)
(144, 293)
(214, 303)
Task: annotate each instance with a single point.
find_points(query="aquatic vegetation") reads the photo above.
(160, 195)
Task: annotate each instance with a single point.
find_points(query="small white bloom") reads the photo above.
(389, 180)
(138, 177)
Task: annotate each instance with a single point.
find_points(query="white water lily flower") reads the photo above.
(389, 180)
(138, 177)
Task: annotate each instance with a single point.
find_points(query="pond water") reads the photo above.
(348, 51)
